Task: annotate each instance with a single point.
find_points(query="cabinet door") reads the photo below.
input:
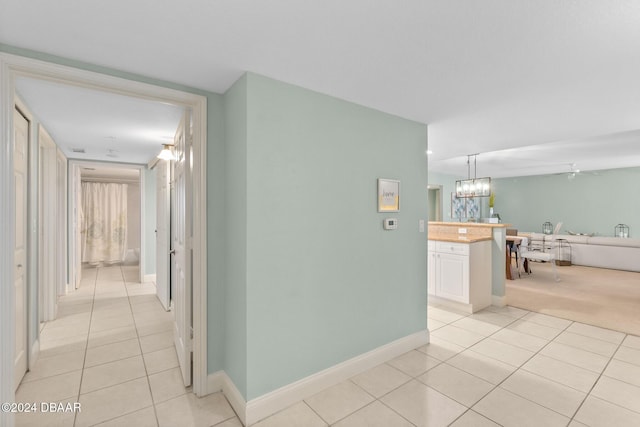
(431, 269)
(452, 279)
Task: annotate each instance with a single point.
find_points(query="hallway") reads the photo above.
(111, 349)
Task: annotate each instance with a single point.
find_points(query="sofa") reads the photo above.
(617, 253)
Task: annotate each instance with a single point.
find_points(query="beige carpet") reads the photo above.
(596, 296)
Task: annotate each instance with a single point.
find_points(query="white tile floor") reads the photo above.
(111, 350)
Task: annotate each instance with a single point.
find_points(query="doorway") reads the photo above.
(435, 202)
(13, 67)
(112, 226)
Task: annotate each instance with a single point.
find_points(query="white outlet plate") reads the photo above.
(462, 231)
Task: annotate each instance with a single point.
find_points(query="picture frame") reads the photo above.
(388, 195)
(473, 208)
(458, 207)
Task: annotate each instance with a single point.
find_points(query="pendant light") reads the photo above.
(473, 187)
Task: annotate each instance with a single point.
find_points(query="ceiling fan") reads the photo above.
(573, 172)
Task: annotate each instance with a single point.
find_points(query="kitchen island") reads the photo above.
(461, 264)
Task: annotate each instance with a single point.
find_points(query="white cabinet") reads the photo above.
(453, 277)
(431, 268)
(460, 272)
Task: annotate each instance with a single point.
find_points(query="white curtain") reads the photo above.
(104, 222)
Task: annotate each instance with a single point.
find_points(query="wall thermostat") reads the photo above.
(390, 223)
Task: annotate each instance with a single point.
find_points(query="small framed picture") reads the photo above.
(388, 195)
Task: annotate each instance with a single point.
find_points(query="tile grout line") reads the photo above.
(587, 394)
(518, 368)
(469, 408)
(378, 399)
(144, 363)
(86, 348)
(596, 382)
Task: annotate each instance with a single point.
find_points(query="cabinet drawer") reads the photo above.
(452, 248)
(431, 245)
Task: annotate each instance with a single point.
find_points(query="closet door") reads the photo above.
(182, 247)
(20, 167)
(162, 232)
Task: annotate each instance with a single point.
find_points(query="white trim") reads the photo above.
(48, 219)
(62, 233)
(7, 236)
(72, 226)
(34, 353)
(149, 278)
(12, 66)
(199, 248)
(152, 163)
(220, 381)
(498, 301)
(33, 316)
(142, 265)
(277, 400)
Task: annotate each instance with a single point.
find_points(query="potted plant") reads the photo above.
(492, 199)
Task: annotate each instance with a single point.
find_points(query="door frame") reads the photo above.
(48, 224)
(62, 225)
(33, 301)
(74, 203)
(439, 206)
(13, 66)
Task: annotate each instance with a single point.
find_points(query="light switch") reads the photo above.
(421, 225)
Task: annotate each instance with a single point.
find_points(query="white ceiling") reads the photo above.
(107, 126)
(485, 75)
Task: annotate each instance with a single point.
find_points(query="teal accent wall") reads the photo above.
(590, 203)
(150, 207)
(235, 307)
(323, 281)
(216, 231)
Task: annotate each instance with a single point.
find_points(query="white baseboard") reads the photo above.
(268, 404)
(277, 400)
(499, 301)
(220, 381)
(149, 278)
(34, 354)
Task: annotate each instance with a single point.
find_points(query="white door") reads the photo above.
(162, 232)
(182, 244)
(75, 227)
(48, 225)
(61, 233)
(21, 137)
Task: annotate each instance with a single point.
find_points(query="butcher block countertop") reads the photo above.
(458, 238)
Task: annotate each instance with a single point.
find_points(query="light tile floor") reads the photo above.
(111, 350)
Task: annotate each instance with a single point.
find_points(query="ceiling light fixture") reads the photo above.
(166, 153)
(473, 187)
